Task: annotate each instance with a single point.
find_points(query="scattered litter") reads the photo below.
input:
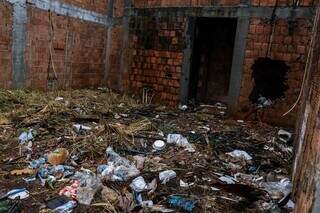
(227, 179)
(26, 171)
(284, 136)
(26, 136)
(159, 145)
(264, 102)
(183, 107)
(160, 208)
(180, 202)
(29, 179)
(58, 156)
(109, 195)
(278, 190)
(67, 207)
(81, 128)
(167, 175)
(84, 126)
(184, 184)
(70, 191)
(59, 99)
(214, 189)
(118, 168)
(290, 205)
(180, 141)
(56, 202)
(90, 184)
(38, 163)
(239, 154)
(139, 184)
(18, 194)
(139, 161)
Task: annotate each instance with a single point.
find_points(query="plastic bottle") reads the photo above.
(180, 202)
(65, 208)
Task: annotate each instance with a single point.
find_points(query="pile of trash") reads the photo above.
(98, 151)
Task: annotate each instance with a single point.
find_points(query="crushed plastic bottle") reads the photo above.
(66, 208)
(167, 175)
(180, 202)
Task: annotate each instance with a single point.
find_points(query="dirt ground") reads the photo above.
(131, 129)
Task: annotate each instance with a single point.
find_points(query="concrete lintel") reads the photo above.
(234, 12)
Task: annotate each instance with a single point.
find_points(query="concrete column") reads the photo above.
(19, 43)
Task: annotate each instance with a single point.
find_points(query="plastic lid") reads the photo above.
(159, 145)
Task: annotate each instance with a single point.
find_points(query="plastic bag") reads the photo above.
(89, 186)
(165, 176)
(240, 154)
(118, 168)
(277, 190)
(180, 141)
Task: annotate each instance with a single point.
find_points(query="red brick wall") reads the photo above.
(5, 44)
(289, 47)
(308, 136)
(100, 6)
(78, 51)
(118, 8)
(157, 53)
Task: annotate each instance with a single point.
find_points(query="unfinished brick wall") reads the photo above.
(157, 58)
(157, 52)
(63, 52)
(289, 45)
(5, 44)
(307, 170)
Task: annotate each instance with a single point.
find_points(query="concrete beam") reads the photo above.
(232, 12)
(61, 8)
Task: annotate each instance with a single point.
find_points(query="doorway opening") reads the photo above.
(212, 59)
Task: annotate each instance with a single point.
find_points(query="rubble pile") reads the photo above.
(98, 151)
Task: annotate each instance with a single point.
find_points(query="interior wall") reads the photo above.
(307, 163)
(63, 52)
(61, 44)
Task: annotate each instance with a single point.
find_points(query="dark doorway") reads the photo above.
(212, 59)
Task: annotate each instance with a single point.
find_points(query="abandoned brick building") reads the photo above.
(252, 48)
